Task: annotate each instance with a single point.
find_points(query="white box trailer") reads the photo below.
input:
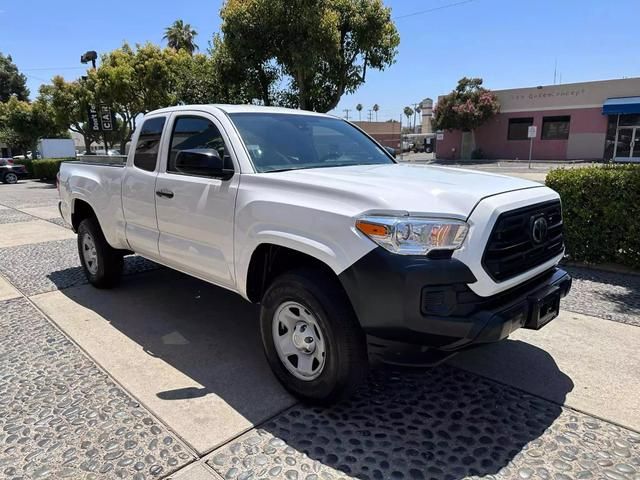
(56, 148)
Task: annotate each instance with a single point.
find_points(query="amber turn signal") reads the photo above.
(369, 228)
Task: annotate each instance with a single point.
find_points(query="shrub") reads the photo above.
(600, 206)
(47, 168)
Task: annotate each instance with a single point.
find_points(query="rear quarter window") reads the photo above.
(146, 155)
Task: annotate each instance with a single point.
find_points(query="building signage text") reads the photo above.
(542, 94)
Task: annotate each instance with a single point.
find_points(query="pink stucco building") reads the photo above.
(577, 121)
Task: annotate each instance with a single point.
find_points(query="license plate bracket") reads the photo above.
(543, 308)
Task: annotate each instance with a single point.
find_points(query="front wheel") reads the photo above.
(101, 262)
(311, 337)
(10, 178)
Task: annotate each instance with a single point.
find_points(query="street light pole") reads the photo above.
(92, 56)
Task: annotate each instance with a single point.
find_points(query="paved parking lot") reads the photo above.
(164, 377)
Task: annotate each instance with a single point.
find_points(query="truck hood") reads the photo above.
(417, 189)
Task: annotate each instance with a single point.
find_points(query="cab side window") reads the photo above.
(146, 156)
(195, 133)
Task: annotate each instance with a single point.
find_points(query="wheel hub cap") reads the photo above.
(299, 341)
(90, 254)
(304, 337)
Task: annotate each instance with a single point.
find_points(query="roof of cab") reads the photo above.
(236, 109)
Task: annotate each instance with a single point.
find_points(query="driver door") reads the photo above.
(196, 211)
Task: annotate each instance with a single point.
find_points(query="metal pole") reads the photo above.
(530, 149)
(401, 149)
(615, 142)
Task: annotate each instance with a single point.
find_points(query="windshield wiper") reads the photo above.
(280, 170)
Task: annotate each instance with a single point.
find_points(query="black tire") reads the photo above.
(109, 262)
(346, 361)
(10, 178)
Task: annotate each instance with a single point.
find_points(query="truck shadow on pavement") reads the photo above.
(441, 423)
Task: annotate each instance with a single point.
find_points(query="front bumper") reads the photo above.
(428, 302)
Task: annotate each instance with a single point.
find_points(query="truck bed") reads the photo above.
(97, 181)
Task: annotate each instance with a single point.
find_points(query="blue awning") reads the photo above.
(615, 106)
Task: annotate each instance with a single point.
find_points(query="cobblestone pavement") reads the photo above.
(614, 296)
(9, 215)
(440, 424)
(43, 267)
(62, 417)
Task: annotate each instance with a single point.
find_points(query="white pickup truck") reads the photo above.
(341, 246)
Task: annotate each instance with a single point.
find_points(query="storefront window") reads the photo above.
(610, 141)
(629, 120)
(618, 128)
(555, 128)
(518, 128)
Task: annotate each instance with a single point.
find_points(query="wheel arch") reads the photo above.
(80, 210)
(269, 260)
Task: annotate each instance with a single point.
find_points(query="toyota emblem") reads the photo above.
(539, 230)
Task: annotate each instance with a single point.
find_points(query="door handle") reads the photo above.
(164, 193)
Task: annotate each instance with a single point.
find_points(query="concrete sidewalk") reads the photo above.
(583, 362)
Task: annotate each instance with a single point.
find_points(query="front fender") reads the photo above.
(331, 254)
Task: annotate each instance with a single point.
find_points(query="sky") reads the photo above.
(508, 43)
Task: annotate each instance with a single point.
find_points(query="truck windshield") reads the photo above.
(280, 141)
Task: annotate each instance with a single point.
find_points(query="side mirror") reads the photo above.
(205, 162)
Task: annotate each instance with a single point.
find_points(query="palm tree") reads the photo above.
(376, 107)
(180, 35)
(408, 111)
(359, 108)
(416, 116)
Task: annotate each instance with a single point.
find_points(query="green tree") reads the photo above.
(22, 123)
(196, 79)
(69, 103)
(12, 82)
(135, 81)
(248, 80)
(359, 109)
(180, 36)
(376, 107)
(465, 108)
(316, 50)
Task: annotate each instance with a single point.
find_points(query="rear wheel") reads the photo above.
(311, 337)
(10, 177)
(102, 263)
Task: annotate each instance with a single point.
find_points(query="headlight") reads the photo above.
(412, 235)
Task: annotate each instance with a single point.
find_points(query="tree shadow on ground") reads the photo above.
(441, 423)
(621, 291)
(436, 423)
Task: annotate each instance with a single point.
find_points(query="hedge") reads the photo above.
(601, 207)
(48, 168)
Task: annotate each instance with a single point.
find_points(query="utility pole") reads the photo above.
(346, 111)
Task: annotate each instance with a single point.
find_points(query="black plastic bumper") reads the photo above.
(427, 301)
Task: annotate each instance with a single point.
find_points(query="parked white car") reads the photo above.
(308, 216)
